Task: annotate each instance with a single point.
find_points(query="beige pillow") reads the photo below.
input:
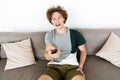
(19, 54)
(111, 50)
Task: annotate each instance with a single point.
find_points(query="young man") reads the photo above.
(63, 64)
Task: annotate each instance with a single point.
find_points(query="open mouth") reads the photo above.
(57, 25)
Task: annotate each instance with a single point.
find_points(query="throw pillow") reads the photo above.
(111, 50)
(19, 54)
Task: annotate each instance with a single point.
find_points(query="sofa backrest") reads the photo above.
(95, 39)
(37, 39)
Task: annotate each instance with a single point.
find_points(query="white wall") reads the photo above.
(30, 15)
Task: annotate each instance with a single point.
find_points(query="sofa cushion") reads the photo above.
(37, 40)
(97, 68)
(31, 72)
(111, 50)
(19, 54)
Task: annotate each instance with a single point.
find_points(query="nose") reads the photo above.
(57, 20)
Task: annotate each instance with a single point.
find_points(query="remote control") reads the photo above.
(54, 51)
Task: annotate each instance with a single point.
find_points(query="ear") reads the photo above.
(51, 22)
(63, 20)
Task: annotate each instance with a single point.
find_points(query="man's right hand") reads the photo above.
(48, 52)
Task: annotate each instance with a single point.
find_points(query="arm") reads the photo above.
(82, 48)
(47, 52)
(83, 55)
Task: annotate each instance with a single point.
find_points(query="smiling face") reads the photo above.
(57, 20)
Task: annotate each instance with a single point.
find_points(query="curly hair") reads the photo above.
(59, 9)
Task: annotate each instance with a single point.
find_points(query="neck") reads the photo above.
(62, 30)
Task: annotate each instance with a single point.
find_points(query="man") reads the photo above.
(63, 64)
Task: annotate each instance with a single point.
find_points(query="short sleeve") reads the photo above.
(77, 39)
(80, 39)
(47, 38)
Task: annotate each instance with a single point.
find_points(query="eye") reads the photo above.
(53, 18)
(59, 17)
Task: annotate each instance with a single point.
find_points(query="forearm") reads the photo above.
(82, 59)
(46, 55)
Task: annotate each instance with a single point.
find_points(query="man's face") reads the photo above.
(57, 20)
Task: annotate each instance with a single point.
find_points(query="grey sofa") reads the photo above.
(95, 68)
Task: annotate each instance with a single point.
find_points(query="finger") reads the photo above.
(58, 51)
(52, 47)
(79, 69)
(49, 52)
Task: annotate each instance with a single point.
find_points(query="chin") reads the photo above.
(57, 27)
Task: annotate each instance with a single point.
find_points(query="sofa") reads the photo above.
(95, 68)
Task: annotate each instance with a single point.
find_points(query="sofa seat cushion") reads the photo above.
(97, 68)
(31, 72)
